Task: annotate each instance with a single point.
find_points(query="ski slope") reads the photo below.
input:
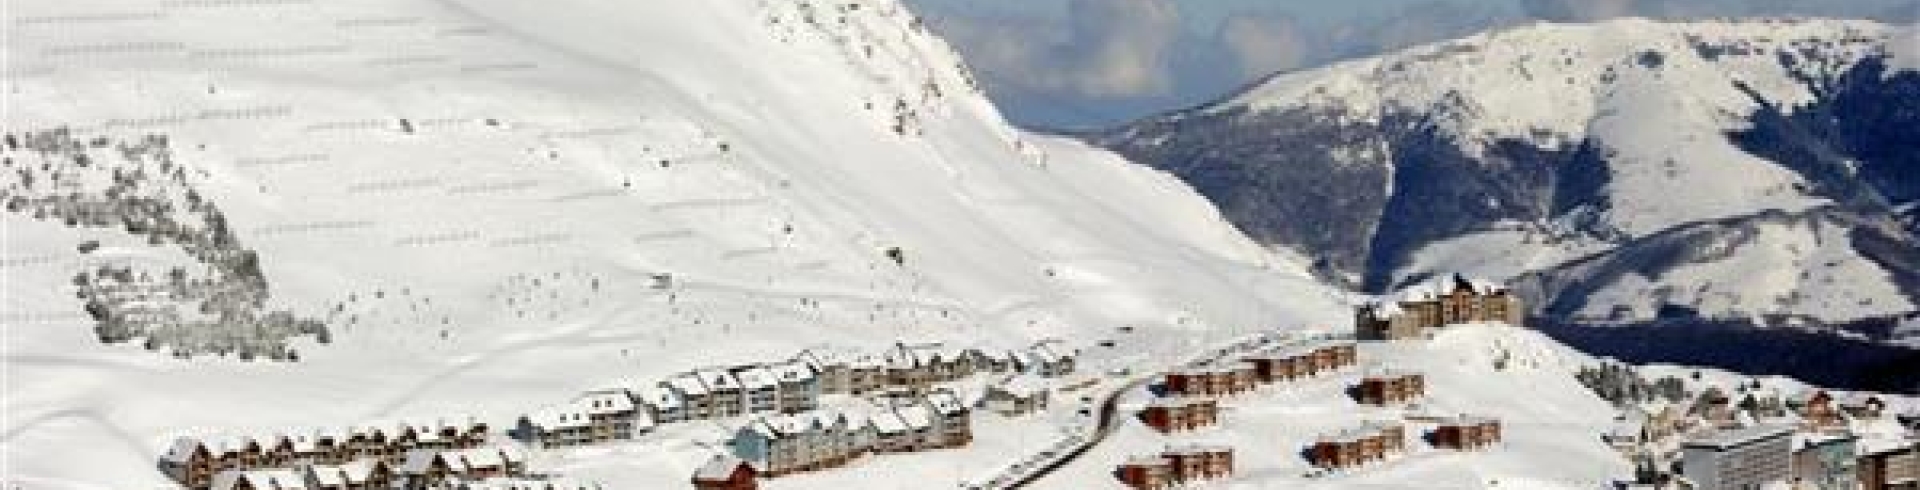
(495, 204)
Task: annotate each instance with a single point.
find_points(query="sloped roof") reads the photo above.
(604, 402)
(793, 372)
(275, 479)
(718, 379)
(756, 378)
(718, 468)
(182, 449)
(688, 384)
(567, 416)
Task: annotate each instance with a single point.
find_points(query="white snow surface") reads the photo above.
(502, 256)
(1551, 424)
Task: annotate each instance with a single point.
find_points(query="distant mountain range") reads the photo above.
(1627, 172)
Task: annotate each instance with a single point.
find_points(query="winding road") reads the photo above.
(1110, 417)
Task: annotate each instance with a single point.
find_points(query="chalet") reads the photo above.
(761, 388)
(913, 365)
(371, 441)
(1753, 457)
(484, 462)
(429, 468)
(236, 452)
(611, 415)
(866, 374)
(1200, 462)
(1332, 356)
(830, 367)
(1387, 387)
(365, 474)
(953, 421)
(1245, 376)
(306, 446)
(273, 479)
(662, 405)
(1466, 433)
(1449, 300)
(728, 395)
(1016, 395)
(1713, 405)
(1183, 382)
(1146, 473)
(1820, 412)
(330, 446)
(905, 369)
(781, 444)
(1825, 460)
(998, 360)
(1355, 447)
(726, 472)
(698, 401)
(896, 434)
(1048, 358)
(1169, 415)
(799, 387)
(1889, 465)
(558, 426)
(189, 463)
(1284, 365)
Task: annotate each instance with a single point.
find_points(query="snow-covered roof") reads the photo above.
(945, 402)
(1022, 386)
(330, 476)
(273, 479)
(481, 457)
(301, 440)
(182, 449)
(888, 422)
(718, 379)
(558, 417)
(418, 460)
(658, 397)
(1725, 439)
(718, 467)
(1146, 460)
(229, 444)
(359, 471)
(867, 362)
(687, 384)
(915, 416)
(756, 378)
(793, 372)
(604, 402)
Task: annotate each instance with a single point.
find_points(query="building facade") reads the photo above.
(1739, 459)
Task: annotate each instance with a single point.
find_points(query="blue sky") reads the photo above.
(1092, 63)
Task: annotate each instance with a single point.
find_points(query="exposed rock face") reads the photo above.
(1624, 171)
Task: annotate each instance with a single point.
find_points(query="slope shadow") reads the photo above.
(1822, 359)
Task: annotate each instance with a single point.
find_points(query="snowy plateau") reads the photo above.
(232, 217)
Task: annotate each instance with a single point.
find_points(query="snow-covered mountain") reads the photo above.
(1721, 168)
(484, 206)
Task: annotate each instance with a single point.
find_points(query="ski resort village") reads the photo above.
(1392, 396)
(792, 244)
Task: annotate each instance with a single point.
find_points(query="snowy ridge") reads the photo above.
(1633, 84)
(1529, 148)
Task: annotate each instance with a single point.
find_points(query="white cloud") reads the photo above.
(1101, 49)
(1263, 44)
